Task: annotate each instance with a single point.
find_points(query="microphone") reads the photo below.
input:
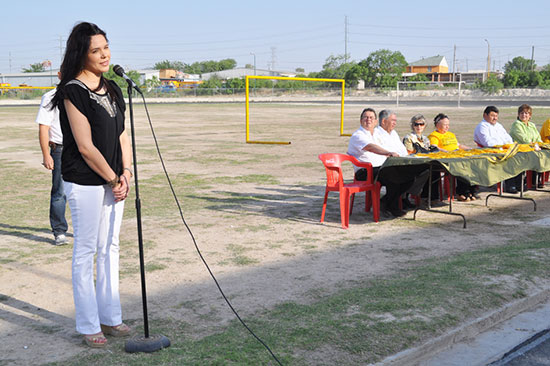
(120, 72)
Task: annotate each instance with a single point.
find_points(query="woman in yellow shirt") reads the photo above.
(447, 141)
(442, 137)
(545, 131)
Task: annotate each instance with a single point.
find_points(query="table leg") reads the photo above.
(512, 197)
(429, 209)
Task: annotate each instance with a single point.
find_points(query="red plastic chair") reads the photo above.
(447, 186)
(335, 182)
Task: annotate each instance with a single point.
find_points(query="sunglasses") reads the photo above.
(418, 124)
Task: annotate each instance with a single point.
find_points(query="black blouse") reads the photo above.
(106, 118)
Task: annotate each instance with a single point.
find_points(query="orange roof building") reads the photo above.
(434, 64)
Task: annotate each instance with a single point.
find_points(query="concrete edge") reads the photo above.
(426, 351)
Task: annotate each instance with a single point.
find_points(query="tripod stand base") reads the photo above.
(153, 343)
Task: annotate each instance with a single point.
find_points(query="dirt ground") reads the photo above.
(254, 210)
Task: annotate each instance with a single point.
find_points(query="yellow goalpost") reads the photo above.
(248, 77)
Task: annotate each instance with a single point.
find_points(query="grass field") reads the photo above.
(316, 294)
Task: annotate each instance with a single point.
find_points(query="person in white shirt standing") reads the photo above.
(51, 144)
(374, 145)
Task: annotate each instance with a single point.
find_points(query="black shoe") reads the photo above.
(395, 212)
(540, 185)
(512, 190)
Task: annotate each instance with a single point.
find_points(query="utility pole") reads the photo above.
(60, 51)
(532, 58)
(454, 61)
(346, 39)
(273, 57)
(253, 54)
(488, 58)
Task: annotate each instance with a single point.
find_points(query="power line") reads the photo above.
(444, 37)
(460, 28)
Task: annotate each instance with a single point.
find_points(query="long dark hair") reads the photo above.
(74, 60)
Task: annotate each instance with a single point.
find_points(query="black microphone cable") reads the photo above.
(195, 242)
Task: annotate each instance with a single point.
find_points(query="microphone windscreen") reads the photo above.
(118, 70)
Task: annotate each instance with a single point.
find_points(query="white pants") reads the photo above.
(96, 224)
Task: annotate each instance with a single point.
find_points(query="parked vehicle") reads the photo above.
(166, 89)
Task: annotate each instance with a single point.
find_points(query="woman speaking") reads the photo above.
(96, 172)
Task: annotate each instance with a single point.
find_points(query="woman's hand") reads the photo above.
(120, 191)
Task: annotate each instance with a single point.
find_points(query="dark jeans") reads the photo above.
(516, 181)
(57, 196)
(397, 179)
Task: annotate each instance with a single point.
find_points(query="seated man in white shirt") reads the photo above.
(490, 133)
(373, 144)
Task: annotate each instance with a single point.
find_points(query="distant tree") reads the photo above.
(520, 64)
(226, 64)
(300, 70)
(213, 83)
(522, 79)
(334, 62)
(235, 83)
(335, 67)
(418, 77)
(535, 78)
(194, 68)
(382, 68)
(490, 86)
(545, 75)
(511, 78)
(173, 65)
(37, 67)
(248, 66)
(210, 66)
(152, 83)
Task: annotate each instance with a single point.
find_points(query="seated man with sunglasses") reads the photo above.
(374, 144)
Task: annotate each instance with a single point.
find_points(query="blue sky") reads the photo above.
(291, 34)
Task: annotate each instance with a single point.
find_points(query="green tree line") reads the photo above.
(197, 67)
(521, 73)
(518, 73)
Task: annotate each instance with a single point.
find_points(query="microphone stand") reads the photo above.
(147, 343)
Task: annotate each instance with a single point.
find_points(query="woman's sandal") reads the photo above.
(120, 330)
(462, 198)
(95, 340)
